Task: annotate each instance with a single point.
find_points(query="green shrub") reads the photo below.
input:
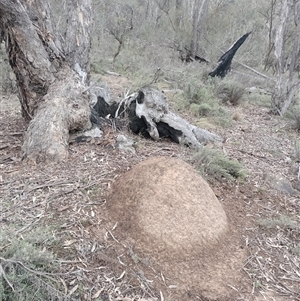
(293, 116)
(296, 250)
(29, 268)
(181, 103)
(283, 221)
(205, 109)
(230, 92)
(262, 100)
(194, 108)
(214, 164)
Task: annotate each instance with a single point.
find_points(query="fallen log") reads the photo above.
(149, 115)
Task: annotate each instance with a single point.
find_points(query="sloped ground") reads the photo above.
(95, 264)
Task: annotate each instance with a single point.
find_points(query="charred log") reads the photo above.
(225, 60)
(102, 114)
(149, 115)
(140, 126)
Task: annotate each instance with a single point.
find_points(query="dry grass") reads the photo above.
(273, 264)
(71, 199)
(92, 263)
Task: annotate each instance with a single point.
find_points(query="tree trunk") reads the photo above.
(198, 24)
(277, 97)
(224, 62)
(178, 14)
(269, 22)
(286, 86)
(50, 89)
(293, 84)
(78, 36)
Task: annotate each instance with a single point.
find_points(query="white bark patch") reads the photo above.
(151, 105)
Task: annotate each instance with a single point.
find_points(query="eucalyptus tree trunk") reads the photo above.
(270, 23)
(198, 24)
(51, 82)
(286, 84)
(178, 14)
(278, 94)
(293, 82)
(78, 35)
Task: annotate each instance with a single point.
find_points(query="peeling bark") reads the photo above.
(286, 86)
(29, 60)
(64, 109)
(78, 36)
(50, 87)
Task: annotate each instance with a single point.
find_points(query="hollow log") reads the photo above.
(149, 114)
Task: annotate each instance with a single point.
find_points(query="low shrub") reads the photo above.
(213, 164)
(293, 117)
(28, 269)
(282, 221)
(230, 92)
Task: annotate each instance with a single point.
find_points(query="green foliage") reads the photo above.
(199, 97)
(296, 250)
(205, 109)
(283, 221)
(194, 108)
(213, 164)
(230, 92)
(262, 100)
(293, 116)
(180, 102)
(28, 267)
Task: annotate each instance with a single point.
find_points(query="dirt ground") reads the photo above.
(263, 213)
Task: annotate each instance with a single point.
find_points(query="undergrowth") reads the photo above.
(293, 117)
(230, 92)
(28, 269)
(282, 221)
(213, 164)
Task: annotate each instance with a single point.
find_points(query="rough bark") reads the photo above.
(50, 91)
(78, 36)
(29, 60)
(286, 86)
(64, 109)
(277, 97)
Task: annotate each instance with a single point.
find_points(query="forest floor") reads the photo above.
(68, 200)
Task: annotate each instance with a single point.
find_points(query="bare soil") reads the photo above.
(99, 263)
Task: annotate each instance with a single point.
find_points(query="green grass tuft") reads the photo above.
(213, 164)
(29, 268)
(230, 92)
(293, 117)
(283, 221)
